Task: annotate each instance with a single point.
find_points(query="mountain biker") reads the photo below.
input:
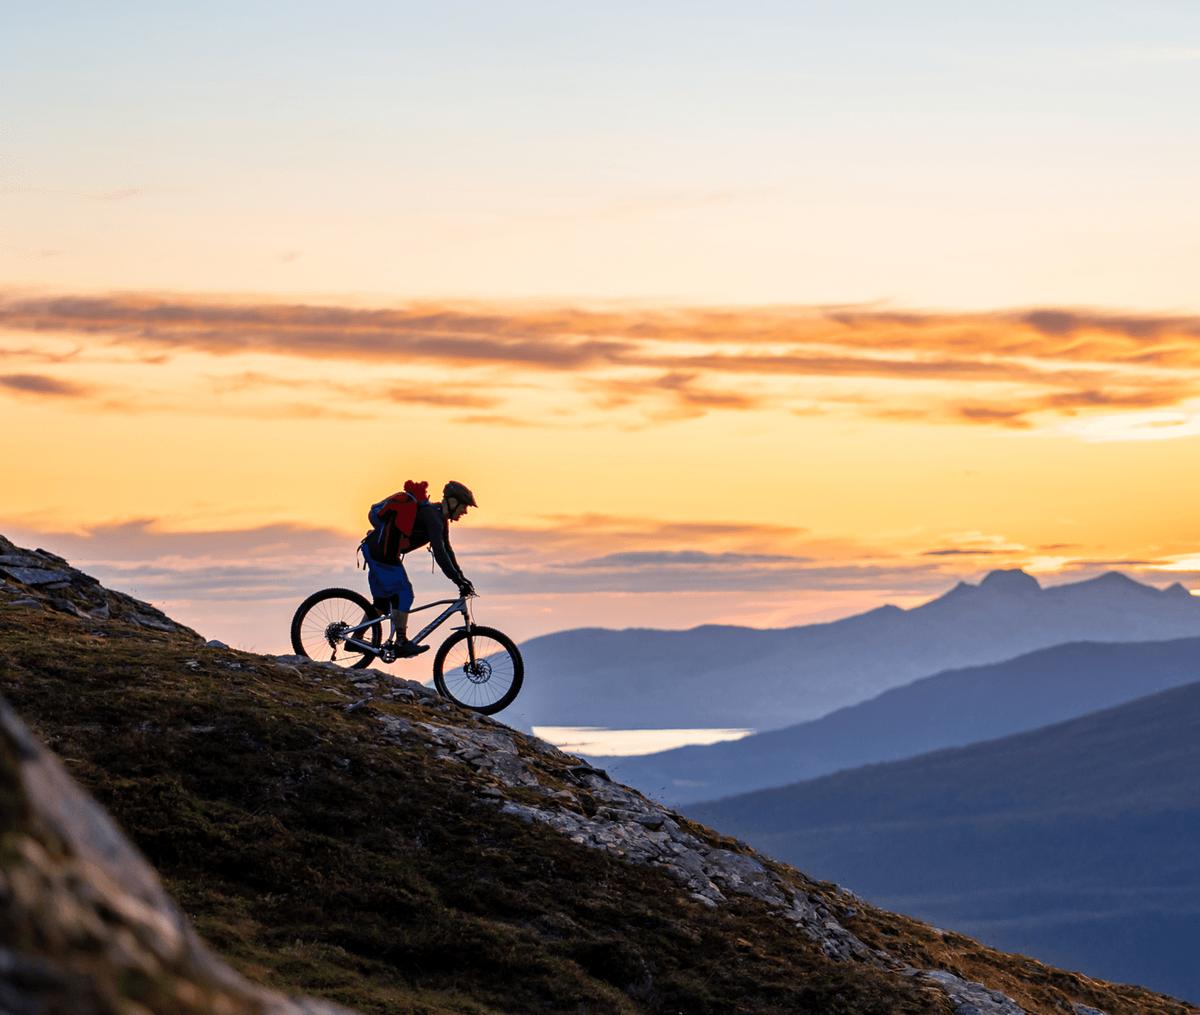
(390, 587)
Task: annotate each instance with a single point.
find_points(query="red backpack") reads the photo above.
(392, 522)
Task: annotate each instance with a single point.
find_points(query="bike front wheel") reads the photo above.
(479, 668)
(320, 624)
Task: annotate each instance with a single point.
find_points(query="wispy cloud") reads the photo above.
(957, 552)
(569, 337)
(424, 333)
(378, 389)
(1008, 368)
(685, 558)
(40, 384)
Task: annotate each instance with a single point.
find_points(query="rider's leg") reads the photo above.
(385, 606)
(399, 620)
(403, 603)
(393, 594)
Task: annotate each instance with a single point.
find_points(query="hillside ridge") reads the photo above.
(358, 838)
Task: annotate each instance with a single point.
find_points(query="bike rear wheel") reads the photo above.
(321, 620)
(489, 683)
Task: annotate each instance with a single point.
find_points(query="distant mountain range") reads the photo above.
(1076, 842)
(950, 709)
(716, 676)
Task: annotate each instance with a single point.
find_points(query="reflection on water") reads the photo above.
(600, 740)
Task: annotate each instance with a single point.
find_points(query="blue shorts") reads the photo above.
(389, 581)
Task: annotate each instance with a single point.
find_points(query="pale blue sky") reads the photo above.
(937, 153)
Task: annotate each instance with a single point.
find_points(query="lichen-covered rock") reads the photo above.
(973, 998)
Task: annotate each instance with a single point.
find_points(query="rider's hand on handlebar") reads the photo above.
(466, 589)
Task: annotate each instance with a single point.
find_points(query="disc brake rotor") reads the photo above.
(479, 672)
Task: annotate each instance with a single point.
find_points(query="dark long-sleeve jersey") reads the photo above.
(432, 527)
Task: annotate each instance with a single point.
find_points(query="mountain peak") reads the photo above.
(1117, 578)
(1115, 581)
(1011, 580)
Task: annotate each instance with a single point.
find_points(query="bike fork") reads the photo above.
(470, 637)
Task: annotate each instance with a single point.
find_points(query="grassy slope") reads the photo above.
(321, 858)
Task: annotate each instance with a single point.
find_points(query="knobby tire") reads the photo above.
(321, 609)
(504, 663)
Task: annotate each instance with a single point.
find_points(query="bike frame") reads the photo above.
(453, 606)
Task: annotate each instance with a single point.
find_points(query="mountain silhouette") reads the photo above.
(364, 841)
(715, 676)
(949, 709)
(1075, 841)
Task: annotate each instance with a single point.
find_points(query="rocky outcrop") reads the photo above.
(971, 998)
(42, 580)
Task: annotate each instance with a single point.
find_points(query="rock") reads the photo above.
(66, 606)
(970, 998)
(154, 623)
(527, 814)
(52, 556)
(580, 771)
(396, 726)
(35, 575)
(213, 643)
(420, 690)
(746, 876)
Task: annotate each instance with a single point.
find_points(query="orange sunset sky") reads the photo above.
(727, 313)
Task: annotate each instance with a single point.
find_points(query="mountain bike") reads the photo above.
(477, 667)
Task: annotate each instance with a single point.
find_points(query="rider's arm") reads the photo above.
(442, 552)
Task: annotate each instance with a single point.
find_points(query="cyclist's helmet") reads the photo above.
(459, 492)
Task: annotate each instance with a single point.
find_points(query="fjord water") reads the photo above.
(598, 741)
